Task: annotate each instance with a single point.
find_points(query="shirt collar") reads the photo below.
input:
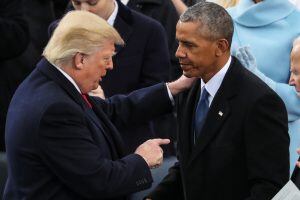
(112, 17)
(68, 77)
(125, 2)
(213, 85)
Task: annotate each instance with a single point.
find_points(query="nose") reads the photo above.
(110, 65)
(292, 80)
(180, 53)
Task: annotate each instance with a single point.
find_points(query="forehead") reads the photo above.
(187, 28)
(107, 47)
(190, 32)
(295, 58)
(295, 54)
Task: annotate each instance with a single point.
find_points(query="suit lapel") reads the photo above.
(219, 110)
(123, 24)
(50, 71)
(187, 119)
(112, 134)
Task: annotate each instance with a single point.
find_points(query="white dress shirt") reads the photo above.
(213, 85)
(112, 17)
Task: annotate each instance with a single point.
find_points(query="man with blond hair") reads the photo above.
(63, 144)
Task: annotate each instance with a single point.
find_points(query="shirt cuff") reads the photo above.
(170, 95)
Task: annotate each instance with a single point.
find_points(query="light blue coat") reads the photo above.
(269, 28)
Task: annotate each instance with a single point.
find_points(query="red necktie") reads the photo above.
(86, 100)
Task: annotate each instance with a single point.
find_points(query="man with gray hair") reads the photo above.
(63, 144)
(233, 141)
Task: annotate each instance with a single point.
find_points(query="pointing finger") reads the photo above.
(161, 141)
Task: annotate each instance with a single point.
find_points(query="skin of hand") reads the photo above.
(179, 6)
(152, 152)
(97, 93)
(181, 84)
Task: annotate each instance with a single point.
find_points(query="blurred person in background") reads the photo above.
(165, 13)
(14, 40)
(181, 5)
(263, 39)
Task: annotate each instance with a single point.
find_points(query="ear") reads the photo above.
(222, 47)
(79, 60)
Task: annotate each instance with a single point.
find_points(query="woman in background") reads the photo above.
(268, 28)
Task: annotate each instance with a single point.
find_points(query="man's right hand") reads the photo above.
(152, 152)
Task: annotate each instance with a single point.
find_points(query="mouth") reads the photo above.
(185, 66)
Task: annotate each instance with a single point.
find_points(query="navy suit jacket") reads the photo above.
(58, 148)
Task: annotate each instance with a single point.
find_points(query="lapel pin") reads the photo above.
(220, 113)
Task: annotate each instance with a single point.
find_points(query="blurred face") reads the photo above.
(102, 8)
(295, 67)
(95, 66)
(196, 54)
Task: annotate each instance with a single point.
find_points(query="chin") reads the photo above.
(187, 74)
(190, 75)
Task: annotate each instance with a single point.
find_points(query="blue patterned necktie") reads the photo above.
(201, 112)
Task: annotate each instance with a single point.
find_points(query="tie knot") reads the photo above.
(84, 96)
(204, 95)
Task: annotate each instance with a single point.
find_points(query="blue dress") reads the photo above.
(269, 28)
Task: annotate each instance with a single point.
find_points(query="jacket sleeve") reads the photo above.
(68, 150)
(170, 188)
(139, 106)
(266, 131)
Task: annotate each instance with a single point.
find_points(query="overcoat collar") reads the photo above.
(249, 14)
(123, 24)
(112, 136)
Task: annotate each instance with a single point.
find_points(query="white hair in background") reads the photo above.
(225, 3)
(296, 3)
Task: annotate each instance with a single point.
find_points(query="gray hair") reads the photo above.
(215, 22)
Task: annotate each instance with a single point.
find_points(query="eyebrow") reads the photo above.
(87, 1)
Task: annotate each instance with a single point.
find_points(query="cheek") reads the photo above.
(297, 81)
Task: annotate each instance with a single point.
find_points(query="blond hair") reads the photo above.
(227, 3)
(79, 32)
